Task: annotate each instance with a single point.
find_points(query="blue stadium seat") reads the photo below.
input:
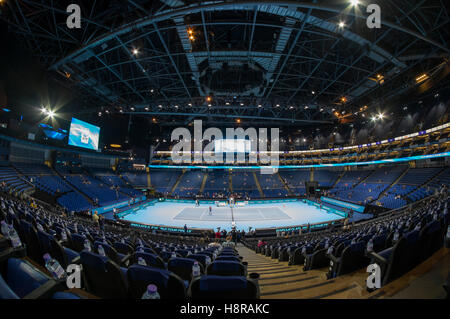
(104, 278)
(223, 287)
(170, 286)
(226, 268)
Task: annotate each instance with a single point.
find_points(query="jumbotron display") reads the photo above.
(84, 135)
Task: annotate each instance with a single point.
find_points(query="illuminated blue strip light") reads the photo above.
(384, 161)
(357, 208)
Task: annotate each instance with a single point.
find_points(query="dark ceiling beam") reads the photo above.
(140, 67)
(121, 79)
(171, 59)
(294, 43)
(280, 119)
(151, 20)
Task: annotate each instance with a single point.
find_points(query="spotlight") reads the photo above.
(51, 114)
(135, 51)
(44, 110)
(381, 116)
(354, 2)
(341, 24)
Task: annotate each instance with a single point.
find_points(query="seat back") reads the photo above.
(183, 267)
(78, 242)
(5, 291)
(352, 258)
(223, 287)
(200, 258)
(51, 246)
(227, 258)
(23, 278)
(109, 251)
(29, 236)
(226, 268)
(123, 248)
(104, 277)
(431, 236)
(150, 259)
(170, 286)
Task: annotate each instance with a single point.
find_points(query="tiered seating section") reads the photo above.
(131, 260)
(164, 180)
(12, 180)
(271, 185)
(190, 183)
(396, 242)
(296, 180)
(370, 188)
(217, 184)
(244, 184)
(97, 191)
(108, 177)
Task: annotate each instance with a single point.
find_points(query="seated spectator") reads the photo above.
(262, 243)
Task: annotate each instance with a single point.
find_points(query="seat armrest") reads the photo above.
(377, 258)
(333, 258)
(46, 290)
(125, 259)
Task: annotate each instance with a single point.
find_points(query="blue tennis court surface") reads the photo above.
(255, 215)
(239, 214)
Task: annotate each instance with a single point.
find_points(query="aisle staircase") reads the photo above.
(202, 187)
(286, 186)
(391, 185)
(261, 193)
(178, 181)
(280, 281)
(75, 189)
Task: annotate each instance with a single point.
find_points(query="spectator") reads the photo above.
(261, 243)
(95, 218)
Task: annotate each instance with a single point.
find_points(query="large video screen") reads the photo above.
(83, 134)
(232, 146)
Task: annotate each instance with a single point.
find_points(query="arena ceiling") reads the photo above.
(285, 62)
